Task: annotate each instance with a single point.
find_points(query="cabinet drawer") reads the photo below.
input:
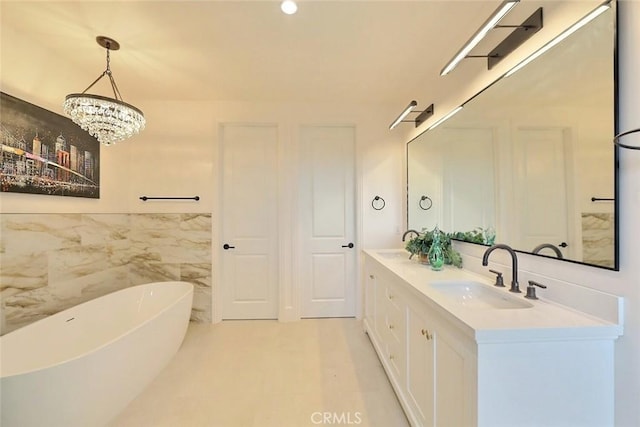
(370, 298)
(393, 298)
(395, 323)
(396, 353)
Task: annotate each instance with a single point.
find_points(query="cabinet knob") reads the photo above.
(391, 357)
(390, 326)
(371, 276)
(391, 297)
(424, 332)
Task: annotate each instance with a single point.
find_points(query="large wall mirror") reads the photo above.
(530, 157)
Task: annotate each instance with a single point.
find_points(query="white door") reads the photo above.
(541, 193)
(327, 221)
(249, 222)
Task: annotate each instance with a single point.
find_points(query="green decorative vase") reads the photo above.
(436, 254)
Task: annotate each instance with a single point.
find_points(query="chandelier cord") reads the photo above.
(616, 140)
(107, 72)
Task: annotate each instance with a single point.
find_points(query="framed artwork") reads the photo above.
(45, 153)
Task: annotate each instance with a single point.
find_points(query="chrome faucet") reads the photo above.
(404, 236)
(514, 264)
(550, 246)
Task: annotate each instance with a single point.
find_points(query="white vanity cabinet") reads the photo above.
(456, 367)
(431, 370)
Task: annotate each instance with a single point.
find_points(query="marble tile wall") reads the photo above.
(598, 238)
(50, 262)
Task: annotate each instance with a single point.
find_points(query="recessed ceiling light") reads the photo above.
(289, 7)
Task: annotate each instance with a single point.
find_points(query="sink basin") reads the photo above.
(479, 296)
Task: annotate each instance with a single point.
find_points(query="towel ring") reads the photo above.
(616, 140)
(373, 203)
(429, 203)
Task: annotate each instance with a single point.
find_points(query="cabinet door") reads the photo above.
(420, 366)
(441, 371)
(455, 383)
(380, 315)
(370, 297)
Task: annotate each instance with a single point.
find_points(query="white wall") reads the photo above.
(627, 282)
(178, 155)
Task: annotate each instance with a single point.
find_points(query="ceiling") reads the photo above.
(383, 52)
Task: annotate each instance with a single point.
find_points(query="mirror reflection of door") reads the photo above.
(468, 170)
(541, 189)
(457, 172)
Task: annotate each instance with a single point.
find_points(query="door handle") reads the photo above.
(226, 247)
(563, 245)
(350, 246)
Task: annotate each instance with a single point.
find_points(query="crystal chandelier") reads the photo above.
(109, 120)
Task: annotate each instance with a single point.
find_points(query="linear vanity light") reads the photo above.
(500, 13)
(405, 113)
(521, 34)
(566, 33)
(446, 117)
(422, 117)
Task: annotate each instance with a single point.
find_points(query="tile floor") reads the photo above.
(262, 373)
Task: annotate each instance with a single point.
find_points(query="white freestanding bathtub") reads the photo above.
(82, 366)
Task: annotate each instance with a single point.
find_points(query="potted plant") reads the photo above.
(484, 236)
(420, 245)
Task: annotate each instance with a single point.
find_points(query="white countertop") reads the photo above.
(544, 320)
